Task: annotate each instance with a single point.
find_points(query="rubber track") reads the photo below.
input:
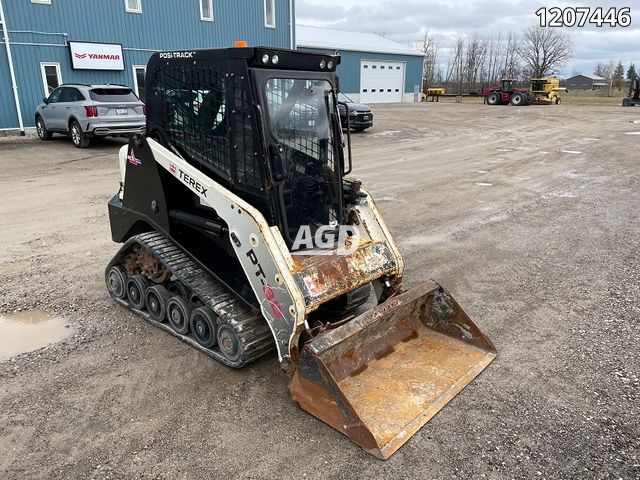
(251, 328)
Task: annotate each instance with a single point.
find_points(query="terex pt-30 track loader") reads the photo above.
(243, 161)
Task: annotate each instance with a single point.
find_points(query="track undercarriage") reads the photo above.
(155, 279)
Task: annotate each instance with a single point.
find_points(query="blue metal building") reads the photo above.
(373, 69)
(40, 31)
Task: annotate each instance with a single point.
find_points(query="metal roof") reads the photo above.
(591, 77)
(332, 39)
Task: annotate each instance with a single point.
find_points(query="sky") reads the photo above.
(405, 21)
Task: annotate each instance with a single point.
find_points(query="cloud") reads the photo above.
(405, 21)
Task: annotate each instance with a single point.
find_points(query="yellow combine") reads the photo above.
(546, 90)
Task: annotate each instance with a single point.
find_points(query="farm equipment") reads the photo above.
(434, 93)
(243, 151)
(506, 93)
(546, 90)
(633, 98)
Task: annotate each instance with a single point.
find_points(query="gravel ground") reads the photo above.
(529, 216)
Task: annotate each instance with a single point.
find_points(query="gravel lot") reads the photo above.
(529, 216)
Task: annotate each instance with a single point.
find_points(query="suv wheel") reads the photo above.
(43, 133)
(78, 137)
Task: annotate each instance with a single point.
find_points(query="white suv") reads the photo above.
(84, 111)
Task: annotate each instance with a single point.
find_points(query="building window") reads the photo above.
(44, 2)
(206, 10)
(133, 6)
(270, 13)
(139, 72)
(51, 78)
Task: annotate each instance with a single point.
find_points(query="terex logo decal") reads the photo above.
(133, 160)
(177, 54)
(267, 289)
(189, 181)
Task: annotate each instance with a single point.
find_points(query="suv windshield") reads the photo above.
(301, 114)
(113, 95)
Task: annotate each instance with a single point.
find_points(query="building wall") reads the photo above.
(349, 70)
(39, 32)
(580, 82)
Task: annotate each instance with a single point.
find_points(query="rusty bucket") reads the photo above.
(380, 377)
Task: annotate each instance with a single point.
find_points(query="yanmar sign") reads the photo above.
(96, 56)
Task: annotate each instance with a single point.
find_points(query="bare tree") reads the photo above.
(429, 46)
(606, 71)
(455, 66)
(511, 67)
(544, 50)
(475, 59)
(494, 59)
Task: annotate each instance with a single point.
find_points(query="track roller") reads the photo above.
(203, 323)
(177, 288)
(228, 342)
(178, 314)
(136, 288)
(117, 282)
(156, 298)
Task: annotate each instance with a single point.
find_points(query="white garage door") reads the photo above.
(381, 82)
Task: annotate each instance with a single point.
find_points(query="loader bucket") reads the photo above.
(380, 377)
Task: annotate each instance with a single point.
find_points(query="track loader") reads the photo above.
(242, 233)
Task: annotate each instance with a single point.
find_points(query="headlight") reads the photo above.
(323, 64)
(275, 59)
(265, 58)
(330, 64)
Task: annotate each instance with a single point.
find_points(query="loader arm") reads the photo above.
(262, 255)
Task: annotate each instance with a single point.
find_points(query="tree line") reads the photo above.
(475, 60)
(615, 74)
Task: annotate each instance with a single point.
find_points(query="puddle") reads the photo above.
(28, 331)
(484, 184)
(633, 133)
(572, 152)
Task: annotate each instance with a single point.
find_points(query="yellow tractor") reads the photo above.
(546, 90)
